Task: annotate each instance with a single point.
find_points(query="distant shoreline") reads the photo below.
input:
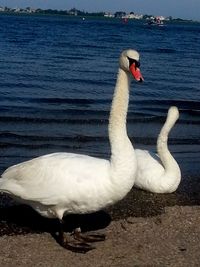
(89, 17)
(73, 12)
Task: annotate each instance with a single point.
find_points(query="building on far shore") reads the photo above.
(73, 12)
(132, 15)
(109, 15)
(123, 15)
(17, 10)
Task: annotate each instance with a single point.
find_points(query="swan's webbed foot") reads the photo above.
(79, 247)
(88, 238)
(75, 246)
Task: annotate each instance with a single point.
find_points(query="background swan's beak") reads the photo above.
(136, 73)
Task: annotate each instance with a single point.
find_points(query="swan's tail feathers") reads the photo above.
(1, 190)
(1, 182)
(2, 186)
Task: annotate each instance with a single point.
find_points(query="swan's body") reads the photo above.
(64, 183)
(159, 173)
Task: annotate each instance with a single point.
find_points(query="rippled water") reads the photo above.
(57, 80)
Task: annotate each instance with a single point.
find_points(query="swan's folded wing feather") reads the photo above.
(149, 169)
(54, 178)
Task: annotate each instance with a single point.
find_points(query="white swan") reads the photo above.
(159, 173)
(64, 183)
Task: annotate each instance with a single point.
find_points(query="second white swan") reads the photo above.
(159, 173)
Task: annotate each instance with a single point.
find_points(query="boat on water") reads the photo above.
(156, 22)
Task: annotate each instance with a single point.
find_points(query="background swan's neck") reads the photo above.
(169, 163)
(123, 161)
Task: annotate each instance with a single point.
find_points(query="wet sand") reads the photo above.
(144, 229)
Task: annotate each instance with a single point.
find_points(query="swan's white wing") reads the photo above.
(54, 178)
(149, 169)
(148, 162)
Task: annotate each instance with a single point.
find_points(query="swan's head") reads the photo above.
(173, 112)
(129, 62)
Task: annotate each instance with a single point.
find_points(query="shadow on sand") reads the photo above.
(22, 219)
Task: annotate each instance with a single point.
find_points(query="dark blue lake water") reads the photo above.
(57, 76)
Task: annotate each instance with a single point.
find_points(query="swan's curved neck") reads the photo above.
(119, 108)
(123, 162)
(166, 157)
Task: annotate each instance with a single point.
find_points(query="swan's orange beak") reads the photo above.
(136, 73)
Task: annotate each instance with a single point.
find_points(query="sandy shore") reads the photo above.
(142, 230)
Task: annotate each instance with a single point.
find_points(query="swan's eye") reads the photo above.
(131, 61)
